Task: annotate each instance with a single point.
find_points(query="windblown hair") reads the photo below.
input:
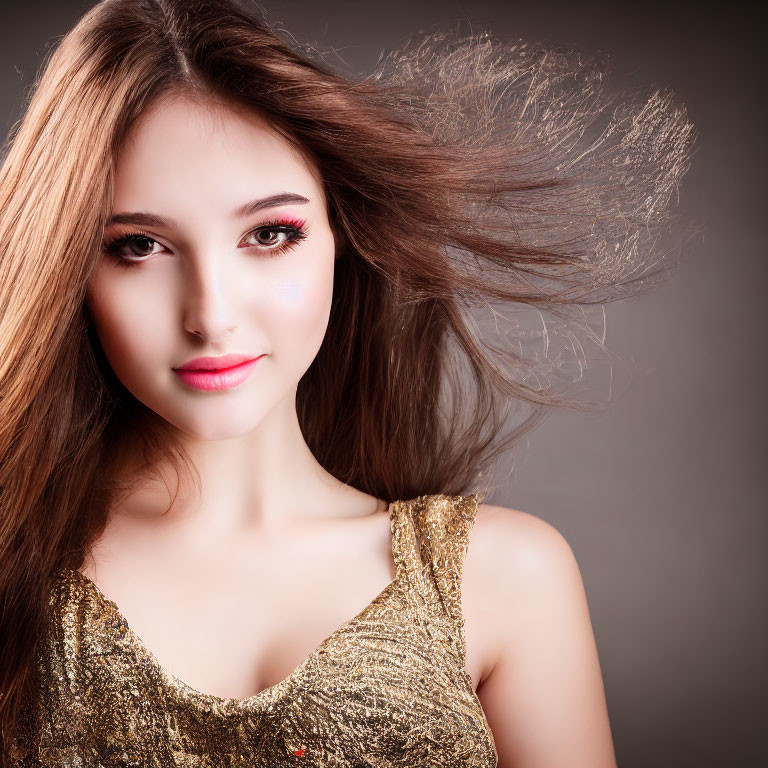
(467, 171)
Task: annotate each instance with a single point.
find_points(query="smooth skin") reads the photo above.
(257, 566)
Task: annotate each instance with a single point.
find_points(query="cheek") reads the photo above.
(300, 307)
(291, 293)
(301, 298)
(125, 315)
(304, 302)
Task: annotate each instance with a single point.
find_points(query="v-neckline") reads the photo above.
(266, 695)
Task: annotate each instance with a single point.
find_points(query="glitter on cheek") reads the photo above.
(292, 292)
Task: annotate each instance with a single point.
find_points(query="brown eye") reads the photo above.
(268, 236)
(276, 237)
(140, 244)
(133, 248)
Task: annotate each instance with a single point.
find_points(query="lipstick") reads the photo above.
(209, 374)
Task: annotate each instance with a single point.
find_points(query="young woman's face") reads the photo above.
(241, 263)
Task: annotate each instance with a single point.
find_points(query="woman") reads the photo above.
(238, 446)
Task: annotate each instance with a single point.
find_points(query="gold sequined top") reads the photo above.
(387, 688)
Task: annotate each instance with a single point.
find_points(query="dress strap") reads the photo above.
(431, 542)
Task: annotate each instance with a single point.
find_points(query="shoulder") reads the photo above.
(516, 545)
(515, 560)
(542, 688)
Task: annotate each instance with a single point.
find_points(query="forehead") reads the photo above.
(183, 146)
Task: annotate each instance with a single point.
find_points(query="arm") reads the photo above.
(544, 697)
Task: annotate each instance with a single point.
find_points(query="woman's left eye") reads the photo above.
(277, 236)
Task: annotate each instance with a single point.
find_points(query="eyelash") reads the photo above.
(294, 229)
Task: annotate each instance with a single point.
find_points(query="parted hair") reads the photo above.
(467, 173)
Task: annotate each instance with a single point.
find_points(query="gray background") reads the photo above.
(662, 497)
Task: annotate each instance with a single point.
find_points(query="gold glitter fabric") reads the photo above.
(387, 688)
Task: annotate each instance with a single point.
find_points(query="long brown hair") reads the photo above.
(466, 173)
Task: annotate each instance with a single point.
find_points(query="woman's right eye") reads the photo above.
(130, 249)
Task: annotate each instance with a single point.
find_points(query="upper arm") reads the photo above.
(544, 697)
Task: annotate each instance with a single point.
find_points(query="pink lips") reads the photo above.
(214, 373)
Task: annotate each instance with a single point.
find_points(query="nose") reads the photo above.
(209, 304)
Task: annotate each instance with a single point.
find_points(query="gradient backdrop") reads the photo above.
(663, 497)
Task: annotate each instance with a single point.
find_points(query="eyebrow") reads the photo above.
(247, 209)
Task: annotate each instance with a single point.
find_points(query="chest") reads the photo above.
(381, 690)
(233, 627)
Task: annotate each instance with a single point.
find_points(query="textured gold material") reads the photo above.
(388, 688)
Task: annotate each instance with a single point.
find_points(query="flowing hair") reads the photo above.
(467, 173)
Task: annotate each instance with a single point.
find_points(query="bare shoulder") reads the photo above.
(542, 689)
(509, 550)
(526, 529)
(511, 547)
